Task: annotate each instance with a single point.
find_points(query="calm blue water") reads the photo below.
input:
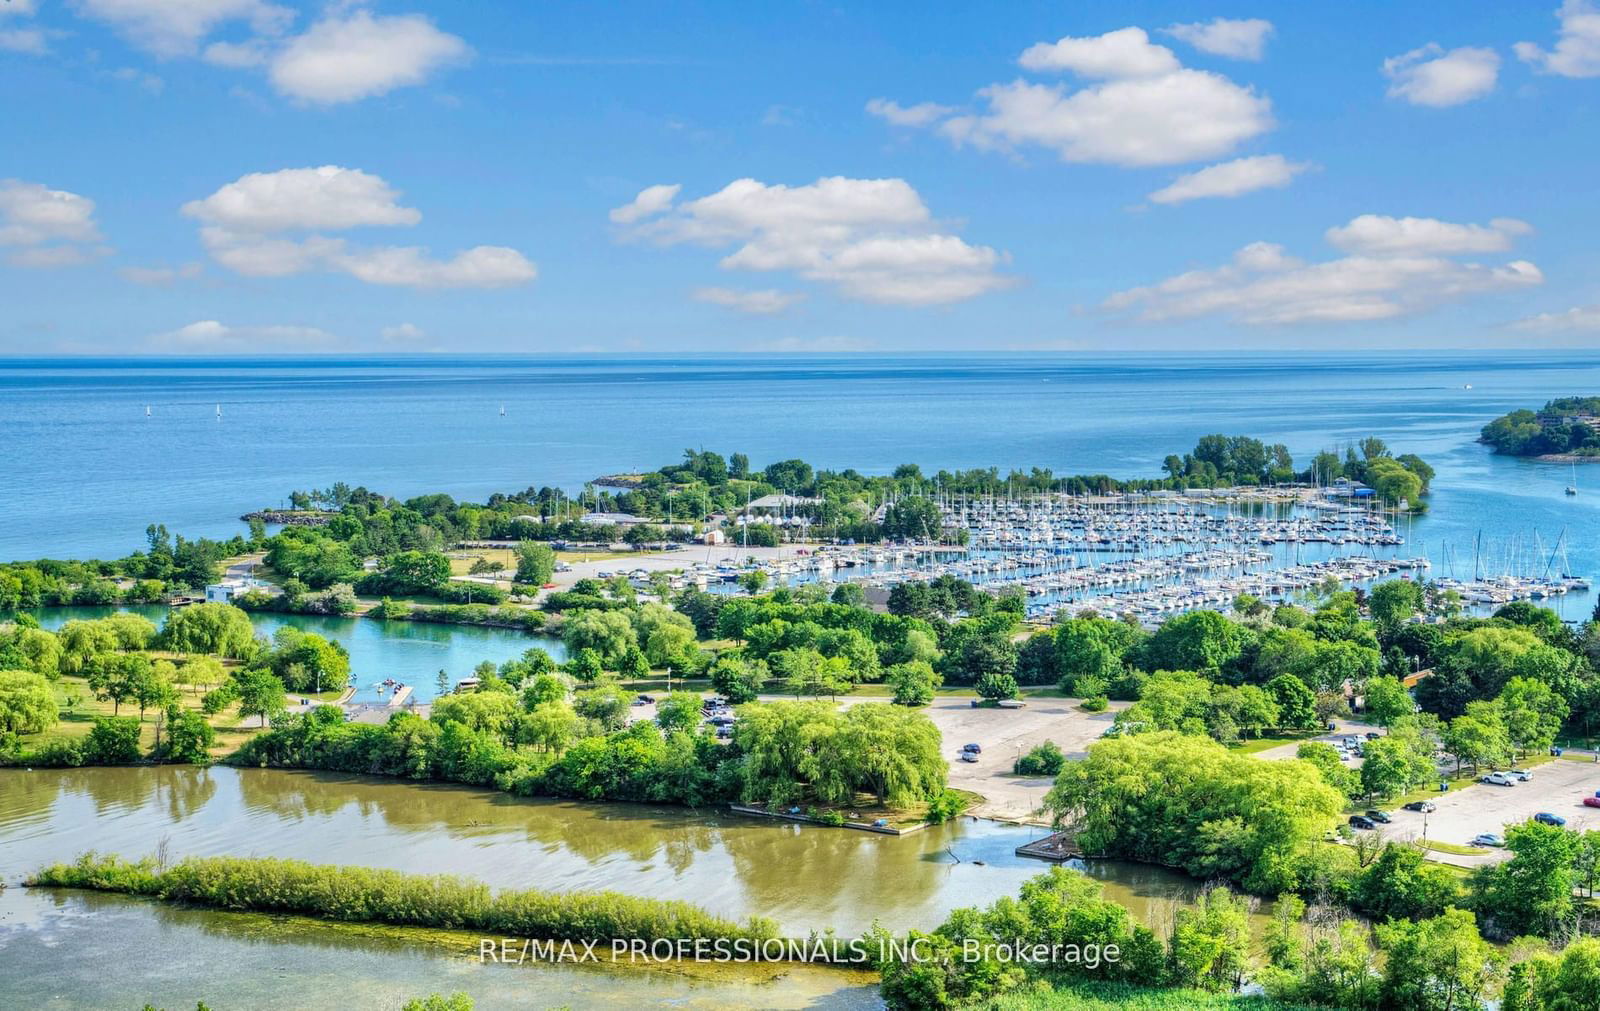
(82, 470)
(411, 652)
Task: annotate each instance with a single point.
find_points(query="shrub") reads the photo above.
(1044, 760)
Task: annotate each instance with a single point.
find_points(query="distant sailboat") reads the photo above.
(502, 410)
(1572, 489)
(147, 410)
(219, 412)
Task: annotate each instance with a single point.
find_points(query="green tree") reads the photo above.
(1441, 964)
(915, 683)
(679, 711)
(1297, 704)
(260, 694)
(27, 703)
(1394, 602)
(996, 687)
(1401, 884)
(536, 563)
(116, 677)
(1532, 892)
(737, 678)
(1533, 714)
(1387, 700)
(189, 737)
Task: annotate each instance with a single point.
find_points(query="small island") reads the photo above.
(1564, 430)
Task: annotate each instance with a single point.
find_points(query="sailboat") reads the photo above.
(502, 410)
(219, 412)
(1572, 489)
(147, 410)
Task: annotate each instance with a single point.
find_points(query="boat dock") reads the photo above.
(1055, 847)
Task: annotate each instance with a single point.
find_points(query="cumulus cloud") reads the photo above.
(1265, 285)
(162, 276)
(1580, 318)
(42, 227)
(348, 57)
(1126, 52)
(1231, 179)
(1142, 106)
(1381, 235)
(922, 114)
(651, 200)
(209, 335)
(1244, 39)
(254, 226)
(765, 302)
(870, 239)
(1431, 76)
(1577, 49)
(171, 28)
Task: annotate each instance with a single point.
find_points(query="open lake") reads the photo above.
(84, 470)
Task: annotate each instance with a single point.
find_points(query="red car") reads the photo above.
(1591, 802)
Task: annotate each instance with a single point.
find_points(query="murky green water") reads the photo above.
(804, 877)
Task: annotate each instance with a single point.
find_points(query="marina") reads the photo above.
(1150, 556)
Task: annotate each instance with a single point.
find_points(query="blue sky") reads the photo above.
(221, 176)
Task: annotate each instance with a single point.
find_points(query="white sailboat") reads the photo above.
(1572, 489)
(502, 410)
(219, 412)
(147, 410)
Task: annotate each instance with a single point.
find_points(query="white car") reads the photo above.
(1522, 775)
(1498, 779)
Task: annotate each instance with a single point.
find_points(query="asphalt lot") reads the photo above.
(1558, 787)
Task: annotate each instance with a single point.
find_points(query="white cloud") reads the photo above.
(1126, 52)
(871, 239)
(210, 335)
(1143, 109)
(921, 114)
(355, 56)
(161, 276)
(1431, 76)
(1581, 318)
(651, 200)
(24, 40)
(329, 197)
(1381, 235)
(236, 55)
(766, 302)
(1231, 179)
(402, 333)
(1577, 51)
(1264, 285)
(1237, 40)
(170, 28)
(46, 227)
(20, 8)
(243, 226)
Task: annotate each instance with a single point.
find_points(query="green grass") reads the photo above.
(1456, 848)
(1256, 745)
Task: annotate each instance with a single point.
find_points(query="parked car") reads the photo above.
(644, 700)
(1362, 821)
(974, 748)
(1373, 735)
(1497, 779)
(969, 756)
(1488, 839)
(1381, 817)
(1546, 818)
(1425, 806)
(1591, 802)
(1521, 775)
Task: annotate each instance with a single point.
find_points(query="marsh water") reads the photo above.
(804, 877)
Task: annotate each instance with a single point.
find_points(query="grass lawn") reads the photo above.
(1456, 848)
(232, 729)
(1259, 744)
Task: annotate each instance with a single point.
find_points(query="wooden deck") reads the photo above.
(1055, 847)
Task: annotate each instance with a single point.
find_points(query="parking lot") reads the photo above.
(1557, 786)
(1004, 734)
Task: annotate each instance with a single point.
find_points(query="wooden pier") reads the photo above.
(1055, 847)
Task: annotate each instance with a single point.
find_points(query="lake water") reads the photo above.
(92, 951)
(84, 470)
(411, 652)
